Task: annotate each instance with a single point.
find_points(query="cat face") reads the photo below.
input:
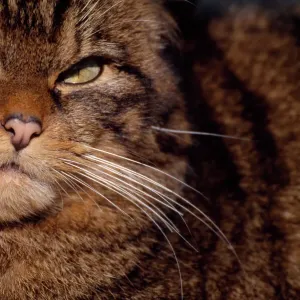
(76, 75)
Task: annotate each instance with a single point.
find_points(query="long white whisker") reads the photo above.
(149, 167)
(77, 184)
(103, 14)
(175, 256)
(221, 235)
(198, 133)
(162, 196)
(118, 190)
(69, 183)
(101, 195)
(85, 6)
(87, 14)
(170, 244)
(172, 207)
(171, 226)
(186, 1)
(166, 202)
(61, 197)
(178, 204)
(60, 185)
(212, 227)
(165, 236)
(156, 224)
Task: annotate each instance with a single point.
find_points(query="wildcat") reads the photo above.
(82, 84)
(93, 198)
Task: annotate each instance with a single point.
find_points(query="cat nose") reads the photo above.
(22, 131)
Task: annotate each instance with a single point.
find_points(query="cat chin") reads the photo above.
(22, 197)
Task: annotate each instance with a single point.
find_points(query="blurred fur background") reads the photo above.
(242, 78)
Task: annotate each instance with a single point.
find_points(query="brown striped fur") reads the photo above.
(239, 78)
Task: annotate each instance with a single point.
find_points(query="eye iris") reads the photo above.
(84, 74)
(74, 78)
(88, 73)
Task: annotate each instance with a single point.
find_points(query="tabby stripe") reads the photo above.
(60, 10)
(270, 169)
(213, 53)
(273, 168)
(274, 171)
(6, 12)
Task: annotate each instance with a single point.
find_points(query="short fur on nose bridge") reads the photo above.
(22, 131)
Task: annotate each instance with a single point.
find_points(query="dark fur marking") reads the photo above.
(115, 127)
(296, 29)
(137, 73)
(56, 95)
(256, 111)
(102, 101)
(273, 170)
(5, 15)
(60, 10)
(213, 152)
(168, 144)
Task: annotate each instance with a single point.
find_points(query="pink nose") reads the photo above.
(22, 132)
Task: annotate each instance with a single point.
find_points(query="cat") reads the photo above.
(98, 197)
(84, 190)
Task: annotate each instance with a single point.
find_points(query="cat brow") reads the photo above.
(107, 49)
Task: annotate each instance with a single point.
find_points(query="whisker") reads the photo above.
(101, 195)
(106, 11)
(166, 200)
(70, 184)
(169, 205)
(199, 133)
(175, 256)
(77, 184)
(59, 190)
(213, 227)
(165, 236)
(108, 184)
(217, 231)
(162, 196)
(128, 192)
(149, 167)
(186, 1)
(83, 9)
(83, 183)
(88, 13)
(101, 15)
(132, 186)
(61, 187)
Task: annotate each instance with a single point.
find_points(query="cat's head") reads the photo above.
(75, 75)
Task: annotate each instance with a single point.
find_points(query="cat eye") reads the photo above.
(83, 72)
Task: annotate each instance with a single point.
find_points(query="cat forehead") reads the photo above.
(41, 31)
(48, 16)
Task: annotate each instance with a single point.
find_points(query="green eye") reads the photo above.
(82, 73)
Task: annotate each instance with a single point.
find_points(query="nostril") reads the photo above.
(32, 130)
(10, 130)
(14, 126)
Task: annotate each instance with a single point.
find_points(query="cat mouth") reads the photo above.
(11, 168)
